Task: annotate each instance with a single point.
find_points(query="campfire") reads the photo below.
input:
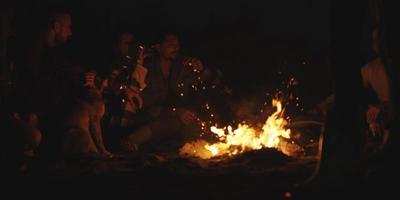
(245, 137)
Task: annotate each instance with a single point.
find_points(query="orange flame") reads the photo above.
(244, 138)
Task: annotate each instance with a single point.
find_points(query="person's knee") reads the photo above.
(31, 142)
(137, 138)
(22, 137)
(166, 126)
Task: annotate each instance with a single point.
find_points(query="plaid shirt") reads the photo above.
(119, 110)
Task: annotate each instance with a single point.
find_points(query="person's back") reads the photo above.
(34, 59)
(39, 60)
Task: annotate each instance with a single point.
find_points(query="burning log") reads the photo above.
(245, 138)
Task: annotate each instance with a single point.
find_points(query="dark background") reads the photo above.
(250, 41)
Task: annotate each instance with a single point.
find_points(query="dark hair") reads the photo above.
(161, 35)
(116, 35)
(51, 15)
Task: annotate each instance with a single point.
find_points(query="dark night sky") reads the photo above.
(249, 40)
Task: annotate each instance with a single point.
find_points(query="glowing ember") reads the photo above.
(244, 138)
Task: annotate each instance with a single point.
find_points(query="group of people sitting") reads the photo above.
(59, 108)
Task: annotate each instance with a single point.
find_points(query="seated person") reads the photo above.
(121, 84)
(377, 94)
(21, 134)
(166, 99)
